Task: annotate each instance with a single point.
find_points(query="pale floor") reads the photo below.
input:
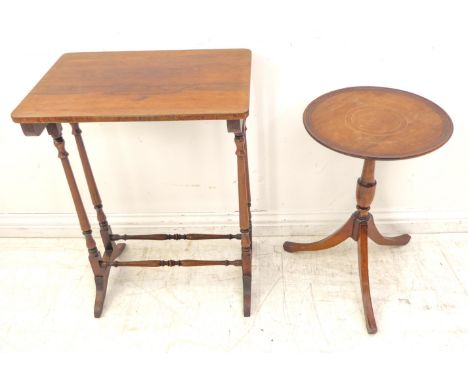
(302, 302)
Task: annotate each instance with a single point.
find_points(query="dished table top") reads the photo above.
(141, 86)
(377, 123)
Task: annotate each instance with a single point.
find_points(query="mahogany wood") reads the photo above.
(249, 198)
(189, 236)
(359, 227)
(377, 123)
(32, 129)
(55, 130)
(141, 86)
(102, 280)
(365, 189)
(242, 182)
(378, 238)
(105, 229)
(144, 86)
(374, 124)
(236, 126)
(340, 235)
(244, 216)
(172, 263)
(364, 278)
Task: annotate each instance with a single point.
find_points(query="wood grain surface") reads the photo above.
(377, 123)
(141, 86)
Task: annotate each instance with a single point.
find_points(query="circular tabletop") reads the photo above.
(377, 123)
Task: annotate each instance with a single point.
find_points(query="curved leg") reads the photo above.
(378, 238)
(334, 239)
(101, 281)
(364, 278)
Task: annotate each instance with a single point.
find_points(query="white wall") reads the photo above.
(301, 49)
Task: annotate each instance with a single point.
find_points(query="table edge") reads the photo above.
(384, 157)
(130, 118)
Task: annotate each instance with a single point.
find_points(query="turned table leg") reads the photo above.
(105, 229)
(55, 130)
(238, 128)
(111, 250)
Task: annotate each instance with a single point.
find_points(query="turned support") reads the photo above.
(105, 229)
(365, 188)
(365, 191)
(176, 236)
(173, 263)
(55, 130)
(364, 279)
(100, 270)
(238, 128)
(101, 264)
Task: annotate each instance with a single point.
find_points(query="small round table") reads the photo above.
(372, 123)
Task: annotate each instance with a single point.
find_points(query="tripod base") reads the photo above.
(359, 228)
(348, 230)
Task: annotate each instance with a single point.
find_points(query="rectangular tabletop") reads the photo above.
(141, 86)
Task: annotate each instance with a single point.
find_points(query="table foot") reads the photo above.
(378, 238)
(364, 279)
(105, 229)
(101, 289)
(101, 280)
(333, 240)
(247, 287)
(247, 273)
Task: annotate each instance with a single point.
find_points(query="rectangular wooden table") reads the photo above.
(143, 86)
